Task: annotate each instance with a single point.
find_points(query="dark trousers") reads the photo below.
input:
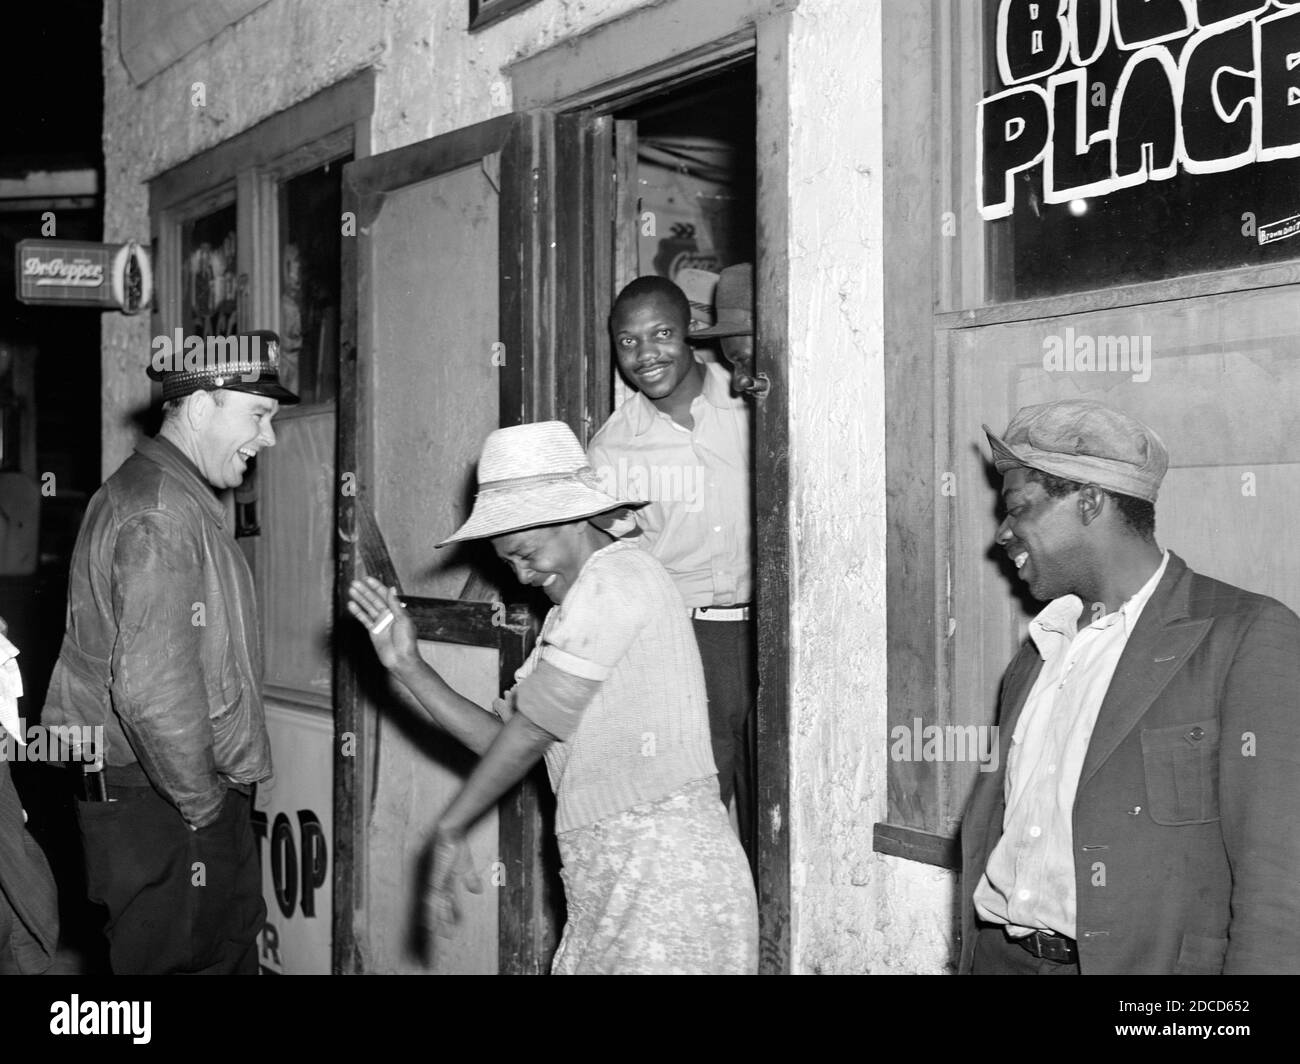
(995, 954)
(179, 902)
(727, 650)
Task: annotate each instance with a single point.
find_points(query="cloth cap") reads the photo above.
(244, 362)
(1085, 441)
(531, 475)
(734, 300)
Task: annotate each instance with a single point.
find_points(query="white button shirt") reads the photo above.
(1029, 882)
(697, 481)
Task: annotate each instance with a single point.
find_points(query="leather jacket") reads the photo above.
(162, 646)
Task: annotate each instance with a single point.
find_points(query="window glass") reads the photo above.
(311, 206)
(209, 274)
(1121, 141)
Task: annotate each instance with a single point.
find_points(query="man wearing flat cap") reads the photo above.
(162, 650)
(1145, 817)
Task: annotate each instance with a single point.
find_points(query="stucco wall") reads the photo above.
(431, 77)
(853, 910)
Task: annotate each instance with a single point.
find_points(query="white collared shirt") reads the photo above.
(697, 481)
(1029, 882)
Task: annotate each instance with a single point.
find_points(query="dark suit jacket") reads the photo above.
(1187, 816)
(26, 886)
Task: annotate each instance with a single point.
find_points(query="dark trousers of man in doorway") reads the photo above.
(727, 651)
(179, 901)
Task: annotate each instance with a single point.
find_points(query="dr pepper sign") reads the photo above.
(78, 273)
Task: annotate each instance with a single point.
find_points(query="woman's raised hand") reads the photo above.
(381, 611)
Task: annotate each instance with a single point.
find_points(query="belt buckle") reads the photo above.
(1050, 946)
(734, 613)
(94, 785)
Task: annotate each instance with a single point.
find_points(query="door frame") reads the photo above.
(587, 260)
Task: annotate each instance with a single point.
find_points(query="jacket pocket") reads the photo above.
(1201, 955)
(1181, 763)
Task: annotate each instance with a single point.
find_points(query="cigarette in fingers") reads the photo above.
(383, 623)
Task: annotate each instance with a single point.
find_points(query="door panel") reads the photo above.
(443, 312)
(296, 570)
(435, 381)
(435, 399)
(418, 775)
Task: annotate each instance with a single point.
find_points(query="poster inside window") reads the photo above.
(310, 282)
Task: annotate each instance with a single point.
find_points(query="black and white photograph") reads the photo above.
(911, 386)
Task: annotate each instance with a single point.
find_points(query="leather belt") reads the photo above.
(114, 780)
(721, 613)
(1049, 946)
(103, 785)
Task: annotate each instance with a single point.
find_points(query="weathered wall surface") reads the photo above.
(853, 910)
(431, 77)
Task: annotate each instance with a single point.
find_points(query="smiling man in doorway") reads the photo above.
(682, 443)
(1146, 818)
(163, 650)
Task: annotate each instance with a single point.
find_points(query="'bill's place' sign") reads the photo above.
(1205, 86)
(79, 273)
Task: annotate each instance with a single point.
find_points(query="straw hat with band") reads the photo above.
(538, 474)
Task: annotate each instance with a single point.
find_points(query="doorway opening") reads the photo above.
(682, 205)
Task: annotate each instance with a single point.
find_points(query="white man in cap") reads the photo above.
(613, 697)
(1144, 821)
(682, 444)
(162, 650)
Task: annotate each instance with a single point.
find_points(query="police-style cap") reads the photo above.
(245, 362)
(1084, 441)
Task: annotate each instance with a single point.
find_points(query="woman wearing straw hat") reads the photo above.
(613, 697)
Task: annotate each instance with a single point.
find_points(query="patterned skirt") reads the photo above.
(662, 888)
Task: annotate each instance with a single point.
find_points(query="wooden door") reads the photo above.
(441, 341)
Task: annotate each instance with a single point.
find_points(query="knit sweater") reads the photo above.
(621, 642)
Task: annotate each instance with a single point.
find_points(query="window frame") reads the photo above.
(248, 170)
(483, 13)
(939, 282)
